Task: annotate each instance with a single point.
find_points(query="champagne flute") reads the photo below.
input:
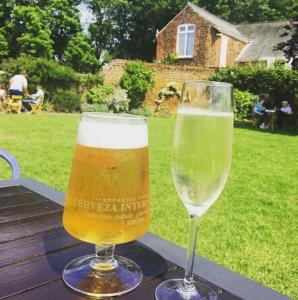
(202, 152)
(107, 201)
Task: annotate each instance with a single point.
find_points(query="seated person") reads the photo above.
(2, 92)
(259, 112)
(34, 98)
(3, 95)
(18, 84)
(283, 115)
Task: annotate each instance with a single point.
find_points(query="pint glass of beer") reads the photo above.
(107, 201)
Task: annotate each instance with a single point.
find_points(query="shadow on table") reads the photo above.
(64, 248)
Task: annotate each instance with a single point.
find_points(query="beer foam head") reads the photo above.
(112, 131)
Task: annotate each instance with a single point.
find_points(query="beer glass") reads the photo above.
(202, 153)
(107, 201)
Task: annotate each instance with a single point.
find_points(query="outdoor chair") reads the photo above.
(14, 104)
(36, 107)
(16, 171)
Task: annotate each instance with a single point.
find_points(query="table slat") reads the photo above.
(19, 200)
(25, 227)
(18, 278)
(21, 277)
(13, 190)
(35, 245)
(34, 248)
(28, 211)
(145, 291)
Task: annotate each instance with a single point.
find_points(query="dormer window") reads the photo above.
(185, 40)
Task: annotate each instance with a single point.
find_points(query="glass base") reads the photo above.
(81, 276)
(173, 290)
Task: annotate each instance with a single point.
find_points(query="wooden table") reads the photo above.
(34, 247)
(272, 118)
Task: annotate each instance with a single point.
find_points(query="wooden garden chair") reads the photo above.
(14, 104)
(36, 107)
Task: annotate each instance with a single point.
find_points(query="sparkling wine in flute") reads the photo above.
(201, 156)
(202, 151)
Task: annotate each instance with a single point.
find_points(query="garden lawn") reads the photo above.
(251, 229)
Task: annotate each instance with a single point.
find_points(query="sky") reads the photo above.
(86, 16)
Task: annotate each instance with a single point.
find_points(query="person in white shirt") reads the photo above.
(283, 115)
(18, 84)
(34, 98)
(286, 108)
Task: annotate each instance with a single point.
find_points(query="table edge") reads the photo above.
(228, 280)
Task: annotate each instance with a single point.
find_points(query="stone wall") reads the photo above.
(113, 71)
(164, 74)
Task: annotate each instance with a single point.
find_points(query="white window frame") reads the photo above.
(185, 44)
(223, 51)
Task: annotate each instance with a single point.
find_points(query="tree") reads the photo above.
(45, 28)
(108, 30)
(290, 47)
(3, 46)
(27, 33)
(247, 11)
(80, 54)
(63, 22)
(127, 28)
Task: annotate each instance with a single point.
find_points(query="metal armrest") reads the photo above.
(16, 171)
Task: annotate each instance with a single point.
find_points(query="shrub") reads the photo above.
(170, 59)
(49, 73)
(99, 94)
(169, 90)
(243, 103)
(47, 106)
(137, 79)
(66, 101)
(277, 81)
(141, 112)
(86, 107)
(118, 102)
(90, 80)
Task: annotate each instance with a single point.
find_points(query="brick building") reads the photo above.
(200, 38)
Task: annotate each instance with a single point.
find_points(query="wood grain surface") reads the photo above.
(34, 248)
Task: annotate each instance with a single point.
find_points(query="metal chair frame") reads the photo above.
(16, 170)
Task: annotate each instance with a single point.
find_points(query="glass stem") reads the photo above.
(191, 251)
(104, 258)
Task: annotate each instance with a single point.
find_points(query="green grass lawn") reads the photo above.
(251, 229)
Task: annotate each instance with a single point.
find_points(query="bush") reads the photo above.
(90, 80)
(243, 104)
(66, 101)
(99, 94)
(86, 107)
(118, 102)
(49, 73)
(170, 59)
(136, 80)
(169, 90)
(277, 81)
(141, 112)
(47, 106)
